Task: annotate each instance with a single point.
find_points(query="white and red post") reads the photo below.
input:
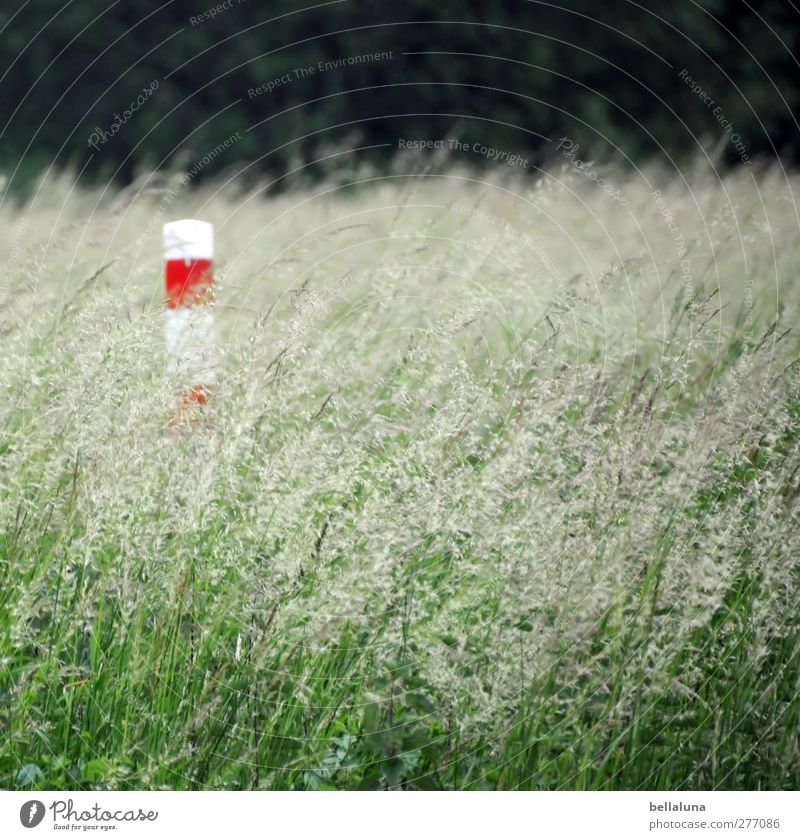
(189, 326)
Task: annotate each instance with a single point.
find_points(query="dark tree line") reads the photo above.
(300, 81)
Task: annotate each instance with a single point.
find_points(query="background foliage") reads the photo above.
(507, 73)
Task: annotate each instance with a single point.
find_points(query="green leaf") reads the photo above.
(28, 774)
(96, 769)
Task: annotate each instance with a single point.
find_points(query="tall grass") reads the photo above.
(499, 489)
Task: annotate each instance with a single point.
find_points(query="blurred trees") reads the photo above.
(508, 74)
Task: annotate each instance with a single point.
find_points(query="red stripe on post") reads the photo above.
(189, 324)
(188, 282)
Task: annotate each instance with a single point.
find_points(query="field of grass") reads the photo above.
(498, 488)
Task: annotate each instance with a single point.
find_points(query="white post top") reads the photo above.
(188, 239)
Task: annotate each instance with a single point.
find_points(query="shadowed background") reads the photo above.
(509, 74)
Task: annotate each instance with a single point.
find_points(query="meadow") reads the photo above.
(498, 487)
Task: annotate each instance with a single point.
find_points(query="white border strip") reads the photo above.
(404, 815)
